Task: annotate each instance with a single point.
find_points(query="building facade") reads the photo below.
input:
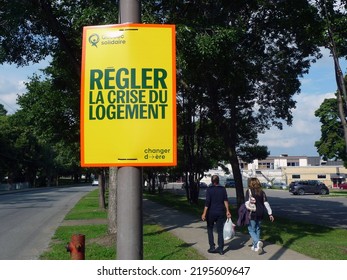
(286, 169)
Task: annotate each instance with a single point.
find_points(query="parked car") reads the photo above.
(309, 186)
(278, 185)
(229, 183)
(266, 185)
(95, 183)
(203, 185)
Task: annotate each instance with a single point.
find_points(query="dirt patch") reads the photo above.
(108, 240)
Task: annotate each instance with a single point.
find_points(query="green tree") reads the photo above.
(243, 60)
(331, 144)
(3, 111)
(201, 147)
(20, 152)
(47, 113)
(333, 14)
(32, 30)
(54, 29)
(6, 148)
(249, 153)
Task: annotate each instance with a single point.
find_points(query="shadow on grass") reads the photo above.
(306, 238)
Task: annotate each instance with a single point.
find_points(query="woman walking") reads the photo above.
(256, 195)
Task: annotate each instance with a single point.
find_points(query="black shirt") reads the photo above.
(215, 197)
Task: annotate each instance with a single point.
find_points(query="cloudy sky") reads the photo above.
(295, 140)
(12, 83)
(299, 139)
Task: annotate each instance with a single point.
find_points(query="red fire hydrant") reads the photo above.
(76, 247)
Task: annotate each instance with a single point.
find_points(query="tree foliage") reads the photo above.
(34, 30)
(3, 111)
(334, 17)
(20, 152)
(331, 144)
(239, 64)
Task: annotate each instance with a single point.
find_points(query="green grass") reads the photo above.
(161, 245)
(93, 251)
(177, 202)
(318, 242)
(87, 208)
(339, 193)
(157, 243)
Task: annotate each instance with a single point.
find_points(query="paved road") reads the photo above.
(39, 213)
(326, 210)
(322, 210)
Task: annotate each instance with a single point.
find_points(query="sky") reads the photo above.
(296, 140)
(299, 139)
(12, 81)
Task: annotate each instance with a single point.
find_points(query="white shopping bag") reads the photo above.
(229, 229)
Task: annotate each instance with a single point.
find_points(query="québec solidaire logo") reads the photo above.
(116, 38)
(94, 40)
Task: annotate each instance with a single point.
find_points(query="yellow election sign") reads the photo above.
(128, 95)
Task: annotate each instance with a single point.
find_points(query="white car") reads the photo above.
(95, 183)
(279, 185)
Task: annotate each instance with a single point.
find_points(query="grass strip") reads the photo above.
(158, 244)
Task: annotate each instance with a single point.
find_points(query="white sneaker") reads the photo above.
(252, 248)
(259, 248)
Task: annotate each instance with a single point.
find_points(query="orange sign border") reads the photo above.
(174, 110)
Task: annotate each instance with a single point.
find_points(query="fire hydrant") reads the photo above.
(76, 247)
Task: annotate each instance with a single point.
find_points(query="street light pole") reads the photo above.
(129, 11)
(129, 187)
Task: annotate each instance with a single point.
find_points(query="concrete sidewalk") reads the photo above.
(193, 231)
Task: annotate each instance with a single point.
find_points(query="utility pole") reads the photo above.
(129, 187)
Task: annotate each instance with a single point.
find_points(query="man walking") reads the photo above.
(215, 212)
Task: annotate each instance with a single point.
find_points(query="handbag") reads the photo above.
(250, 204)
(228, 229)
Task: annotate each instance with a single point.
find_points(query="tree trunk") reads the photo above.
(229, 131)
(101, 177)
(340, 100)
(341, 93)
(240, 197)
(342, 116)
(112, 200)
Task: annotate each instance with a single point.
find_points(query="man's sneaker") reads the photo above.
(252, 248)
(212, 250)
(259, 248)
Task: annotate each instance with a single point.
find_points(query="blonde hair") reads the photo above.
(254, 184)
